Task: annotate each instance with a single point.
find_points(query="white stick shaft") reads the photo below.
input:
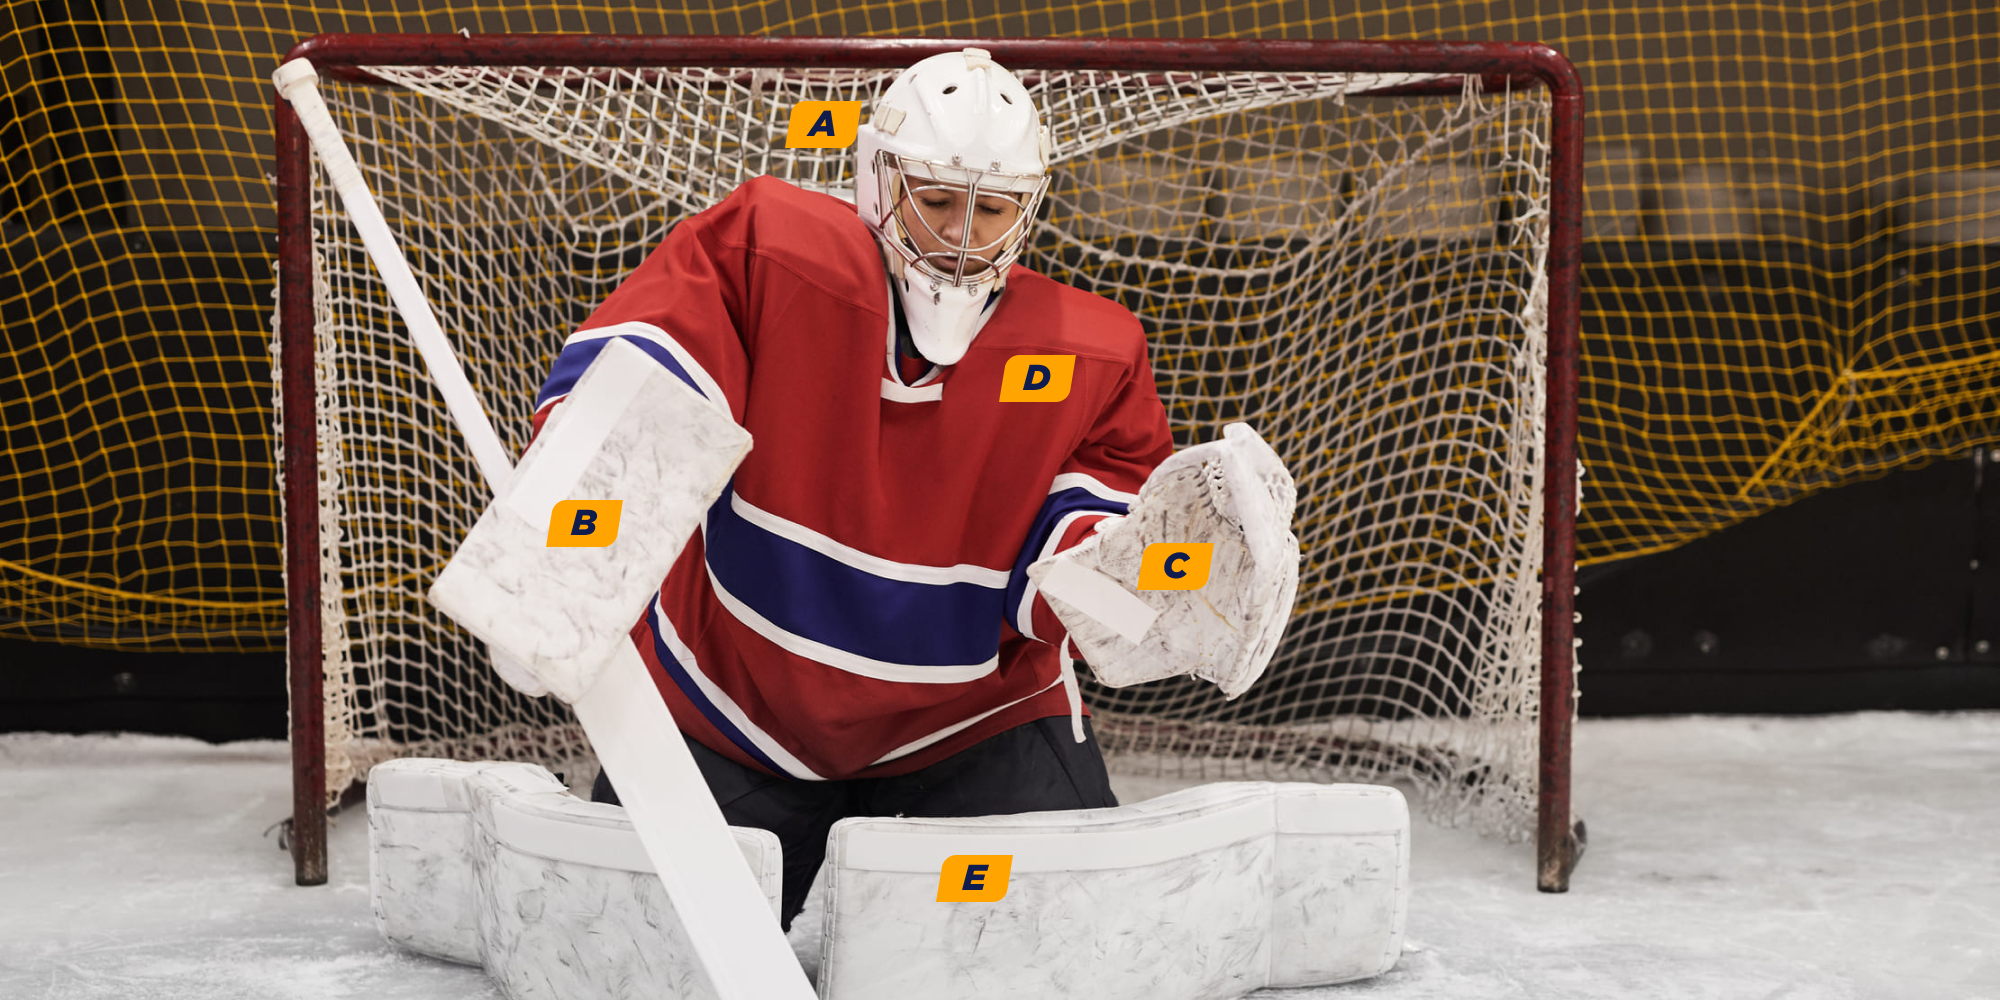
(735, 937)
(728, 920)
(297, 83)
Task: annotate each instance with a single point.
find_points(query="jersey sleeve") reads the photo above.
(685, 306)
(1099, 480)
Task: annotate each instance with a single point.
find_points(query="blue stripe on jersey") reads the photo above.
(817, 597)
(576, 357)
(677, 672)
(1059, 505)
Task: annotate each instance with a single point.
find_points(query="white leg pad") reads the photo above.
(496, 864)
(1211, 892)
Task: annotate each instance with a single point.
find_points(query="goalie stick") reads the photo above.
(736, 939)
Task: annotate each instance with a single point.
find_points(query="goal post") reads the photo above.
(1369, 250)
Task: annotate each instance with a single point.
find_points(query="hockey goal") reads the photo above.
(1368, 250)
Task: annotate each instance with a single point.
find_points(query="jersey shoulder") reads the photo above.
(1041, 312)
(785, 206)
(815, 237)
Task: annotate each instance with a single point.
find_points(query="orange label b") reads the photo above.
(974, 878)
(584, 523)
(1175, 565)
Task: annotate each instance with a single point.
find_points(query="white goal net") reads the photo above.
(1360, 275)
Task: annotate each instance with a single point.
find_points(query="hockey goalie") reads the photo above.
(960, 479)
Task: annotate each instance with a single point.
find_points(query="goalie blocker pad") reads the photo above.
(1207, 893)
(632, 433)
(497, 865)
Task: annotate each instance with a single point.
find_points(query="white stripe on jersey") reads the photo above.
(1091, 485)
(723, 703)
(897, 393)
(995, 579)
(648, 332)
(840, 659)
(916, 745)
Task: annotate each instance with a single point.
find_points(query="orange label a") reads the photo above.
(584, 523)
(823, 125)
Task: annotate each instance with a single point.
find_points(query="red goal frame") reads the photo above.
(1498, 64)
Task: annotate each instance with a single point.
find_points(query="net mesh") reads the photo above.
(1793, 228)
(1361, 277)
(1794, 219)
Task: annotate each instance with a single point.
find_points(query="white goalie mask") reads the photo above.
(959, 124)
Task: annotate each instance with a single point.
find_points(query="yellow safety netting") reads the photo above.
(1794, 210)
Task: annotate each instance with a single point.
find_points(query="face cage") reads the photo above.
(893, 173)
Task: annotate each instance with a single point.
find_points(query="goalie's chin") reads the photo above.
(945, 267)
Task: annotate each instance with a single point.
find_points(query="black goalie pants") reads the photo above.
(1035, 767)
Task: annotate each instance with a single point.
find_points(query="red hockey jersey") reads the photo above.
(857, 604)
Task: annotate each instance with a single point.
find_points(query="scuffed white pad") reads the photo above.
(496, 864)
(1234, 494)
(630, 432)
(1203, 894)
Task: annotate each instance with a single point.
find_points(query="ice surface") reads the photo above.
(1847, 856)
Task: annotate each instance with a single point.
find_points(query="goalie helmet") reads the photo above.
(958, 123)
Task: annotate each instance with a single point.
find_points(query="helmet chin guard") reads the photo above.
(957, 123)
(945, 317)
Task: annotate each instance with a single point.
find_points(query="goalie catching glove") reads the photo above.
(1234, 493)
